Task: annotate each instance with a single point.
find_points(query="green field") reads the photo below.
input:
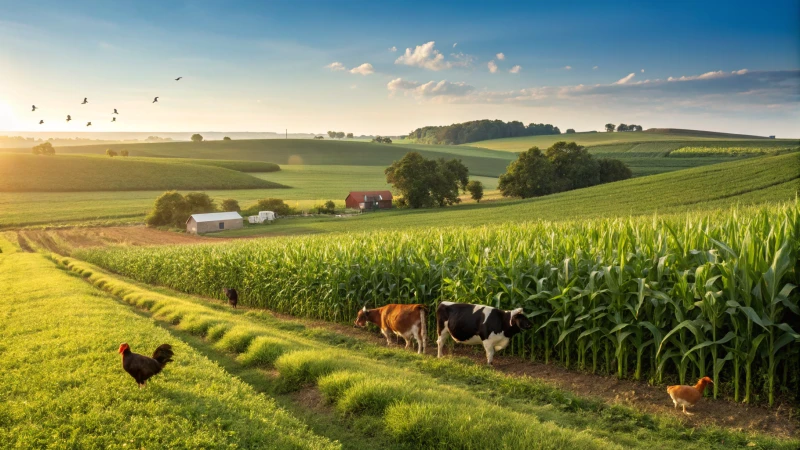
(63, 385)
(73, 173)
(594, 139)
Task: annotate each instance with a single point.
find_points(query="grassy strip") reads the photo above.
(473, 407)
(63, 385)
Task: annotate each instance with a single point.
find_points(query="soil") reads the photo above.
(776, 421)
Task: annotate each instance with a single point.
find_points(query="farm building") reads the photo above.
(208, 223)
(369, 200)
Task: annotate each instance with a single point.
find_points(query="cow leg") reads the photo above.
(407, 340)
(443, 335)
(417, 337)
(489, 347)
(386, 335)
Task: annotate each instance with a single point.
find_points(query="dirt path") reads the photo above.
(776, 421)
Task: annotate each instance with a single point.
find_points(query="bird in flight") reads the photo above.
(113, 119)
(115, 111)
(85, 101)
(69, 117)
(88, 124)
(178, 79)
(41, 122)
(34, 108)
(155, 100)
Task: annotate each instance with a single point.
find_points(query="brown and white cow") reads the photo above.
(406, 321)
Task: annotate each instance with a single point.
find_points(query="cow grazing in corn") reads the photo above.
(406, 321)
(479, 324)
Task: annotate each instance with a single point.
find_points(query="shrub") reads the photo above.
(475, 188)
(123, 153)
(230, 204)
(270, 204)
(197, 138)
(45, 148)
(111, 153)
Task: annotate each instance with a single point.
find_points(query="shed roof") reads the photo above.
(385, 195)
(213, 217)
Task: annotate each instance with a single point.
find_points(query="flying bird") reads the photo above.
(41, 122)
(688, 395)
(178, 79)
(113, 119)
(155, 100)
(85, 101)
(115, 111)
(88, 124)
(34, 108)
(140, 367)
(69, 117)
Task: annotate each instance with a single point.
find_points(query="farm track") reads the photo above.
(639, 396)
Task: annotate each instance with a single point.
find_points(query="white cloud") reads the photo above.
(515, 69)
(393, 49)
(567, 67)
(625, 79)
(461, 60)
(501, 56)
(492, 67)
(364, 69)
(424, 56)
(441, 90)
(335, 66)
(454, 45)
(739, 72)
(642, 70)
(594, 68)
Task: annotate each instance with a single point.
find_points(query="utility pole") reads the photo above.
(287, 133)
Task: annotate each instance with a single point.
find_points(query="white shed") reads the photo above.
(208, 223)
(266, 215)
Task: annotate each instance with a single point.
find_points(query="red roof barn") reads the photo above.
(369, 200)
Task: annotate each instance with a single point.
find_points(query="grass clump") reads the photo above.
(237, 339)
(263, 352)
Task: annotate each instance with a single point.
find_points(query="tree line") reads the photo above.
(173, 209)
(610, 127)
(339, 135)
(479, 130)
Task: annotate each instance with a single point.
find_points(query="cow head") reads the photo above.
(519, 319)
(361, 319)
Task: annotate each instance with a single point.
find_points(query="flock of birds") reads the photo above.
(85, 102)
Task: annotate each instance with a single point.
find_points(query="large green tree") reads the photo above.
(197, 138)
(573, 165)
(427, 182)
(531, 175)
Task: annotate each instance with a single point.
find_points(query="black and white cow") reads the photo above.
(479, 324)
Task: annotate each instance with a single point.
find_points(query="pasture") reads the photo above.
(32, 173)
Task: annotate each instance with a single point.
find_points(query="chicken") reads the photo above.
(140, 367)
(688, 395)
(233, 296)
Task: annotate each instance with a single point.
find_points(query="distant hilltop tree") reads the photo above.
(111, 153)
(197, 138)
(339, 134)
(349, 135)
(382, 140)
(319, 137)
(332, 134)
(479, 130)
(226, 138)
(123, 153)
(570, 131)
(610, 127)
(45, 148)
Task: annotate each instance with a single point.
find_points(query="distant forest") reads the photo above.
(479, 130)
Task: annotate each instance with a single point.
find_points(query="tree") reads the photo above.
(275, 205)
(332, 134)
(330, 206)
(573, 166)
(570, 131)
(197, 138)
(622, 127)
(171, 208)
(124, 153)
(531, 175)
(427, 182)
(200, 202)
(339, 134)
(612, 170)
(111, 153)
(226, 138)
(638, 128)
(45, 148)
(475, 188)
(230, 204)
(610, 127)
(349, 135)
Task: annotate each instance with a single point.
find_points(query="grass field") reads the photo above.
(31, 173)
(594, 139)
(63, 385)
(391, 398)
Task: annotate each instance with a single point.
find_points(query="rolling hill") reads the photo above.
(74, 173)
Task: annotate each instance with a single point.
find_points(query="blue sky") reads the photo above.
(389, 67)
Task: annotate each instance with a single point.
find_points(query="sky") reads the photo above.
(387, 68)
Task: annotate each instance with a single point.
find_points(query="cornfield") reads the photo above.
(658, 298)
(730, 151)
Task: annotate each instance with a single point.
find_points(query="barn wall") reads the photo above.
(212, 227)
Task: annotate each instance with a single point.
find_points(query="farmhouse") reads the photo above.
(208, 223)
(369, 200)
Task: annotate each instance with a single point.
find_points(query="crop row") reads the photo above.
(661, 298)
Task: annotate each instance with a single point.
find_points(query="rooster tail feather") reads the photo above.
(163, 354)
